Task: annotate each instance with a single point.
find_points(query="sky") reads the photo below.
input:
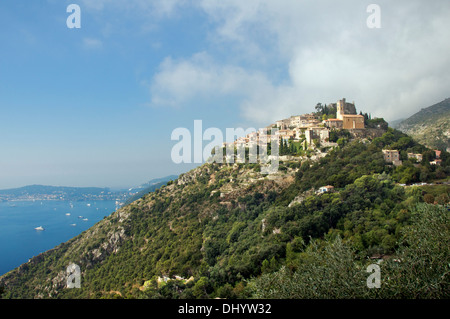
(96, 105)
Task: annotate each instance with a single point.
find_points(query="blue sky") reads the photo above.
(96, 106)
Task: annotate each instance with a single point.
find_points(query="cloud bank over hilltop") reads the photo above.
(282, 57)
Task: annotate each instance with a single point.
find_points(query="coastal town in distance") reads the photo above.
(61, 193)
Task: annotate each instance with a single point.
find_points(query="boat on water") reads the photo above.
(39, 228)
(80, 216)
(85, 219)
(73, 225)
(67, 214)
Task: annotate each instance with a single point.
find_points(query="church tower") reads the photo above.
(340, 109)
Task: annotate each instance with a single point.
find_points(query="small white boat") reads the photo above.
(88, 205)
(39, 228)
(67, 214)
(80, 216)
(85, 219)
(73, 225)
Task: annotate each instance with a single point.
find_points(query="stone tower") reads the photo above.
(343, 108)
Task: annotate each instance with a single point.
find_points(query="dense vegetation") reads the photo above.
(420, 268)
(234, 246)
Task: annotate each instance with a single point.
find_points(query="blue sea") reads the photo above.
(19, 240)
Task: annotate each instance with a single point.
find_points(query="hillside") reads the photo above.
(148, 187)
(430, 126)
(210, 231)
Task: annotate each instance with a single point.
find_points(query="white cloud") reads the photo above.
(92, 43)
(327, 53)
(200, 76)
(160, 8)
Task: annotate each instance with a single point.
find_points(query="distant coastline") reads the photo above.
(35, 193)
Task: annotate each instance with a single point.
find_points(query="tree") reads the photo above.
(200, 289)
(442, 199)
(427, 157)
(269, 266)
(428, 198)
(341, 141)
(226, 292)
(421, 267)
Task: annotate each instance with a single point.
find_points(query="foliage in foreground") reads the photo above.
(419, 269)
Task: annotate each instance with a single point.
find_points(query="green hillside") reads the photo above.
(149, 187)
(430, 126)
(221, 229)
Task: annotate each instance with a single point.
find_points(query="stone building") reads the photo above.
(346, 112)
(392, 156)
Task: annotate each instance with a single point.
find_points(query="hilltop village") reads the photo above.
(313, 129)
(322, 129)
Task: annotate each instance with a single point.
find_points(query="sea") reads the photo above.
(60, 220)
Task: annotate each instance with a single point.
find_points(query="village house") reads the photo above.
(295, 121)
(436, 162)
(325, 189)
(334, 123)
(263, 137)
(317, 133)
(286, 134)
(309, 117)
(283, 124)
(352, 122)
(418, 157)
(253, 136)
(241, 141)
(392, 156)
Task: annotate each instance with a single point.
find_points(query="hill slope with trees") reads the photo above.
(222, 230)
(430, 126)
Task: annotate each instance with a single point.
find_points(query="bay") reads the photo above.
(19, 240)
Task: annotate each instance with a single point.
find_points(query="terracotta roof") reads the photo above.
(352, 115)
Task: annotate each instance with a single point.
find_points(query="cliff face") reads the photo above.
(45, 276)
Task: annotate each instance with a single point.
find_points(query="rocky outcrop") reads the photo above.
(366, 133)
(110, 246)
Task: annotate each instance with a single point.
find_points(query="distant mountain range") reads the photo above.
(152, 183)
(395, 123)
(45, 192)
(430, 126)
